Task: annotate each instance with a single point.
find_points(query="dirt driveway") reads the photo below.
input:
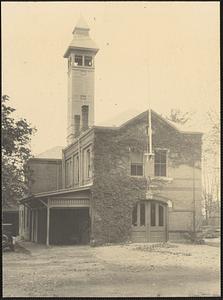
(149, 270)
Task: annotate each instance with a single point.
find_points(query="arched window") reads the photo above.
(134, 216)
(138, 214)
(161, 215)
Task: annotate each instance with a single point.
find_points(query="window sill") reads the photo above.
(162, 178)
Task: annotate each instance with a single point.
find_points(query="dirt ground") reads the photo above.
(149, 270)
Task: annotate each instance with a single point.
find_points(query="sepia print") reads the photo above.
(111, 149)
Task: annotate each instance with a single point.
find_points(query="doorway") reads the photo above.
(69, 226)
(149, 222)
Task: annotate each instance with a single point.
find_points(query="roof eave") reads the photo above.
(54, 193)
(66, 54)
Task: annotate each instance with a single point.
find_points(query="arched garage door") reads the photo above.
(149, 222)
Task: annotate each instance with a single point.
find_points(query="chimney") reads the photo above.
(84, 109)
(76, 125)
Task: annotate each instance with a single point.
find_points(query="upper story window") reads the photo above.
(136, 163)
(68, 172)
(87, 164)
(160, 163)
(76, 169)
(78, 60)
(88, 61)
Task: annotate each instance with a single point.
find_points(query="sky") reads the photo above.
(159, 54)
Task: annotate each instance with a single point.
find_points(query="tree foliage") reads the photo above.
(16, 137)
(177, 116)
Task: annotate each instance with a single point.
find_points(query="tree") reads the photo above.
(211, 162)
(177, 116)
(16, 137)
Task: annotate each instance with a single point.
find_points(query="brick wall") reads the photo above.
(115, 192)
(46, 174)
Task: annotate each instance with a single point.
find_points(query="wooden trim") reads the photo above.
(69, 202)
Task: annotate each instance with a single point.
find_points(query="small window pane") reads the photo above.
(161, 215)
(134, 216)
(162, 170)
(78, 60)
(153, 214)
(88, 61)
(142, 214)
(160, 163)
(133, 170)
(137, 169)
(163, 156)
(157, 157)
(157, 170)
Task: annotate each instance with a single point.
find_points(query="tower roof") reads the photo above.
(81, 24)
(81, 38)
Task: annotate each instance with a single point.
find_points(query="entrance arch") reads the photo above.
(149, 221)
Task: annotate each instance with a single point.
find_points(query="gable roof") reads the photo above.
(81, 39)
(178, 127)
(52, 153)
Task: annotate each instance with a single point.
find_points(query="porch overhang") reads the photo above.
(79, 197)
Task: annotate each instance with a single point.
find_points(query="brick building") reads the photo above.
(106, 187)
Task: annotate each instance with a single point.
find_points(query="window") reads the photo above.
(153, 214)
(134, 216)
(76, 169)
(160, 162)
(78, 61)
(68, 172)
(136, 163)
(161, 215)
(138, 214)
(88, 61)
(88, 163)
(136, 169)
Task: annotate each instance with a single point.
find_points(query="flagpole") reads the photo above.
(149, 118)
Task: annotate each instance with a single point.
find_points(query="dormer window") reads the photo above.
(136, 159)
(78, 61)
(88, 61)
(160, 163)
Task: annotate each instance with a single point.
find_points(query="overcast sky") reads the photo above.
(178, 41)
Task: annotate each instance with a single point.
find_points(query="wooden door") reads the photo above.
(149, 222)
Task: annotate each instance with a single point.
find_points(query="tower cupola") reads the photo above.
(80, 54)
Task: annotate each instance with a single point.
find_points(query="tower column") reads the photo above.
(80, 55)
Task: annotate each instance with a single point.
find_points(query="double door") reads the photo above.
(149, 222)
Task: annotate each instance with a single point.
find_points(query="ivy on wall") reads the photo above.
(115, 192)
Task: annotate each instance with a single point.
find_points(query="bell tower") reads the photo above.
(80, 55)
